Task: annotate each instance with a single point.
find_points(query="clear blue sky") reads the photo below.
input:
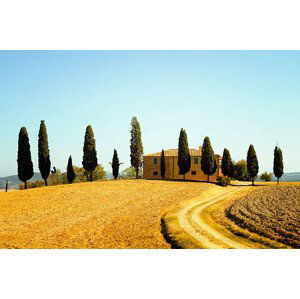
(236, 98)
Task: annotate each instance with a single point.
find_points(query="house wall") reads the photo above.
(172, 169)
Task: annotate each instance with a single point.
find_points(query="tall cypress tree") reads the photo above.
(208, 159)
(252, 163)
(25, 166)
(44, 153)
(90, 161)
(70, 171)
(115, 164)
(227, 164)
(136, 146)
(162, 164)
(278, 163)
(184, 157)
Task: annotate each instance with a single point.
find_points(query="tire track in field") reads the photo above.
(190, 221)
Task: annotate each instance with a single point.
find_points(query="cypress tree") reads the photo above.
(208, 159)
(227, 164)
(115, 164)
(136, 146)
(25, 166)
(184, 157)
(162, 164)
(70, 171)
(90, 161)
(252, 163)
(278, 163)
(44, 153)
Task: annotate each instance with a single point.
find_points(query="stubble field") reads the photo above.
(108, 214)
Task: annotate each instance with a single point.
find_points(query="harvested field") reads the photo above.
(108, 214)
(272, 212)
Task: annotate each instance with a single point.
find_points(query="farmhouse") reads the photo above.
(151, 166)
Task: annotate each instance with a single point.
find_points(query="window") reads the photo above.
(155, 161)
(196, 161)
(194, 172)
(155, 173)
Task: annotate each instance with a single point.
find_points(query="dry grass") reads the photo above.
(271, 212)
(121, 214)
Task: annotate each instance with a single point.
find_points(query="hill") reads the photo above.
(104, 214)
(14, 181)
(289, 177)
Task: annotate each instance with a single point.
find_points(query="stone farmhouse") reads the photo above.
(151, 166)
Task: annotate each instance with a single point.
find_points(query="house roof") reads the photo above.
(174, 153)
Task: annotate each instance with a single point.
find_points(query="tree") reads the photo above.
(267, 177)
(252, 163)
(278, 163)
(70, 171)
(227, 164)
(55, 178)
(136, 146)
(184, 157)
(90, 161)
(128, 173)
(162, 164)
(240, 171)
(115, 164)
(44, 153)
(208, 159)
(25, 166)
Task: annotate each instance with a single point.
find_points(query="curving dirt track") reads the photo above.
(189, 223)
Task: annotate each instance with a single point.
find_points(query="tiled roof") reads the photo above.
(174, 153)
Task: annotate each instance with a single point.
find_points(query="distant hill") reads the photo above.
(109, 175)
(14, 181)
(289, 177)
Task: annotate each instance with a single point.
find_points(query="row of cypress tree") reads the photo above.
(252, 163)
(89, 162)
(209, 163)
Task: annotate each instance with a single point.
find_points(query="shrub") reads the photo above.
(34, 184)
(267, 177)
(223, 181)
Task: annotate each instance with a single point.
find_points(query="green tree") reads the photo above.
(70, 171)
(162, 164)
(184, 157)
(136, 146)
(252, 163)
(128, 173)
(44, 153)
(240, 171)
(278, 163)
(25, 166)
(115, 164)
(81, 175)
(227, 164)
(90, 160)
(208, 159)
(55, 178)
(267, 177)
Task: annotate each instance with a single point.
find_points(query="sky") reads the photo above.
(237, 98)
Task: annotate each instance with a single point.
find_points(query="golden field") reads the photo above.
(107, 214)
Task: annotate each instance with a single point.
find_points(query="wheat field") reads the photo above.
(107, 214)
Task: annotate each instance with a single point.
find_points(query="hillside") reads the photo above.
(14, 181)
(104, 214)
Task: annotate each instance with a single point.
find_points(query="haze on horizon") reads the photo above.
(237, 98)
